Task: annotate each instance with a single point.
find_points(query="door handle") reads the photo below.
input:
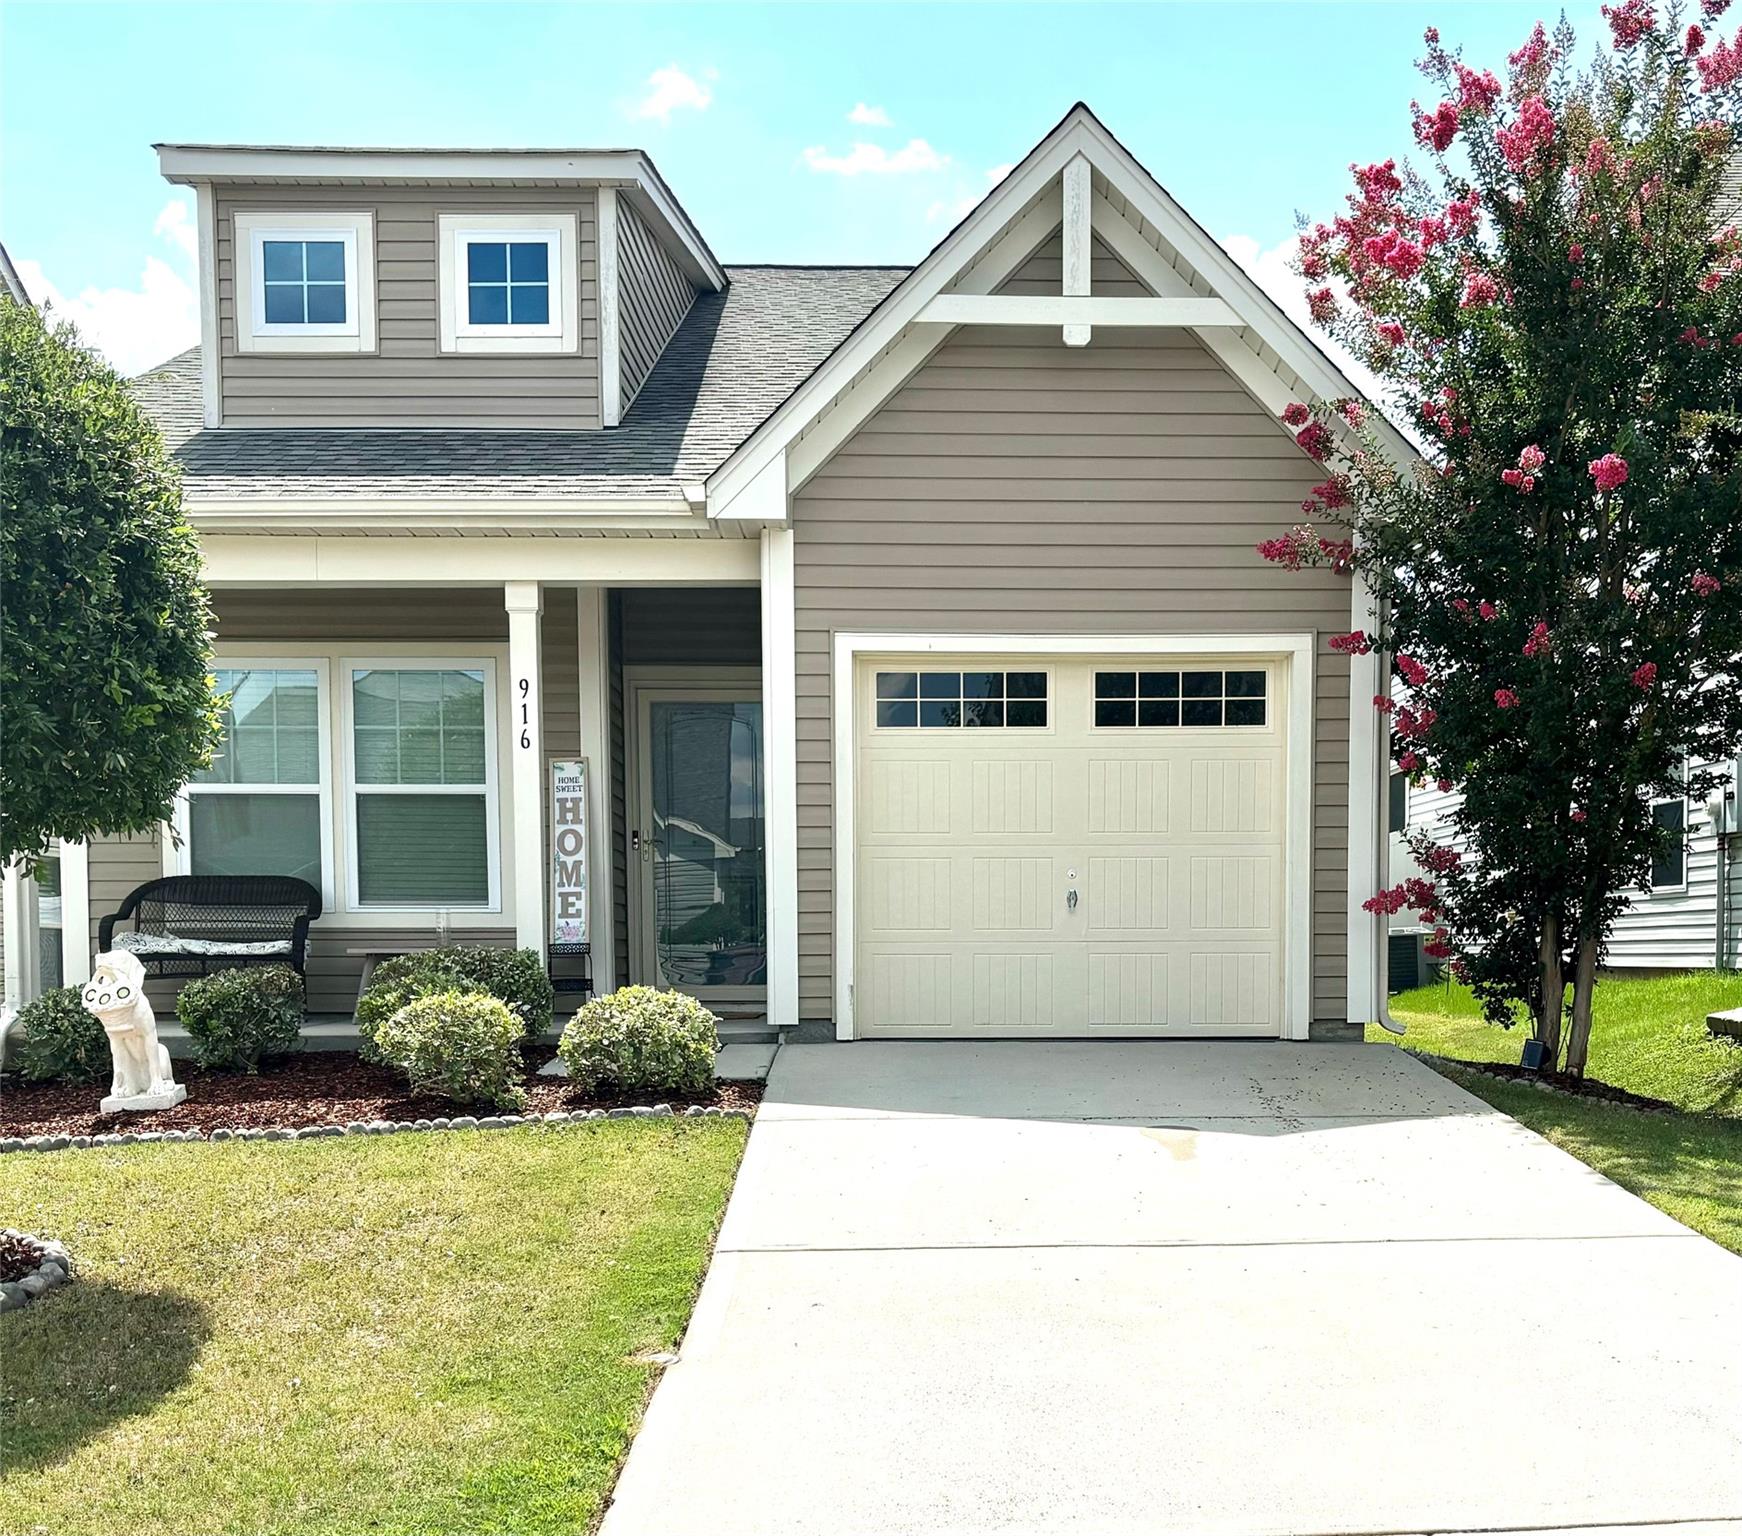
(1071, 899)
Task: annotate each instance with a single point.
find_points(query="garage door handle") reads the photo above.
(1071, 900)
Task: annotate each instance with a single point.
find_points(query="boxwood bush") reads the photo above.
(464, 1046)
(638, 1038)
(516, 977)
(236, 1019)
(54, 1040)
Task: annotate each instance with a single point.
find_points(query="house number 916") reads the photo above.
(525, 686)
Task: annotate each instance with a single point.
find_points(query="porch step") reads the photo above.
(753, 1031)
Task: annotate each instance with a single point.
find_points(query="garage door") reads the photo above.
(1069, 847)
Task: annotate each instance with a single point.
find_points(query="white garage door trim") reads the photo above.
(1294, 651)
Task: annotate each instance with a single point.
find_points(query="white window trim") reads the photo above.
(1681, 886)
(560, 233)
(178, 850)
(355, 229)
(493, 794)
(1293, 650)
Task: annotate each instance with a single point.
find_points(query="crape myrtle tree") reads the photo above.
(1554, 296)
(106, 703)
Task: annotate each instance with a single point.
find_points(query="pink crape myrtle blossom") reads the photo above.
(1629, 21)
(1395, 252)
(1389, 903)
(1462, 213)
(1695, 41)
(1644, 676)
(1355, 643)
(1390, 332)
(1609, 471)
(1518, 480)
(1477, 92)
(1539, 643)
(1713, 9)
(1339, 554)
(1487, 610)
(1531, 133)
(1531, 459)
(1722, 65)
(1383, 704)
(1289, 550)
(1437, 129)
(1296, 414)
(1705, 584)
(1336, 493)
(1505, 698)
(1445, 786)
(1409, 762)
(1321, 306)
(1411, 670)
(1315, 440)
(1480, 290)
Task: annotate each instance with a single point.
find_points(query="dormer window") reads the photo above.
(305, 282)
(508, 283)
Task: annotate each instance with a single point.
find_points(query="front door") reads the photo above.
(697, 840)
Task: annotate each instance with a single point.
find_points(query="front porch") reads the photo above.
(400, 710)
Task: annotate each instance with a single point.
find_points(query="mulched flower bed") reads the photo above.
(312, 1088)
(1563, 1082)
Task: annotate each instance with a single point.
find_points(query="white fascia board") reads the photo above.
(312, 560)
(1058, 309)
(761, 499)
(900, 309)
(487, 510)
(191, 164)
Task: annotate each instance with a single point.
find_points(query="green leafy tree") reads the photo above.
(106, 702)
(1555, 299)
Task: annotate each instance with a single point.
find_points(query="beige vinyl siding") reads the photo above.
(653, 296)
(1014, 485)
(283, 619)
(409, 381)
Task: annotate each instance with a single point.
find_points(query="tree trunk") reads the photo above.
(1548, 1016)
(1584, 984)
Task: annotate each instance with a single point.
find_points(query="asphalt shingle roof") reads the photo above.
(736, 356)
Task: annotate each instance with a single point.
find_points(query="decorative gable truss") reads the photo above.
(1082, 186)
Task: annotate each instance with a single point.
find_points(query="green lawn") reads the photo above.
(1648, 1037)
(416, 1333)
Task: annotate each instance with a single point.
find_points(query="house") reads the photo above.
(1690, 919)
(907, 620)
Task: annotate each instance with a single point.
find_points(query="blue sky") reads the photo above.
(1245, 112)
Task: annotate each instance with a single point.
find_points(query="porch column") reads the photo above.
(525, 603)
(780, 774)
(75, 914)
(595, 708)
(20, 937)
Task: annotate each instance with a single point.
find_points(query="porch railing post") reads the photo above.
(595, 711)
(525, 603)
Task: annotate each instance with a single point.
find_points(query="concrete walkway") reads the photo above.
(1180, 1287)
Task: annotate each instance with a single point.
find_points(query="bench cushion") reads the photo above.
(157, 946)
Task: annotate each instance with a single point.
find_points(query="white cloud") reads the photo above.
(998, 173)
(868, 117)
(134, 328)
(914, 157)
(673, 90)
(952, 210)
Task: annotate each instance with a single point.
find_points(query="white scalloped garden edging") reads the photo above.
(370, 1127)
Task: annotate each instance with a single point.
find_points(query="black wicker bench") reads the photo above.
(191, 925)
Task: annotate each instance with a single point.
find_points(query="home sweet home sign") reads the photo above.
(568, 825)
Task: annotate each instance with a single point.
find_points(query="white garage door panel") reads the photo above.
(969, 841)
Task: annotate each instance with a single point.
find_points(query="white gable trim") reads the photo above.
(1260, 322)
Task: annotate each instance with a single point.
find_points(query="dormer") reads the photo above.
(507, 289)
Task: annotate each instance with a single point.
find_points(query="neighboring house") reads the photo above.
(1691, 919)
(493, 462)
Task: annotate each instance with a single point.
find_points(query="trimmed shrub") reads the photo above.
(238, 1018)
(515, 976)
(396, 982)
(55, 1040)
(638, 1038)
(463, 1046)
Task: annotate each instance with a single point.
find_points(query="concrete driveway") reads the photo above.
(1181, 1287)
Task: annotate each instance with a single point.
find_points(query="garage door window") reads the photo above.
(954, 700)
(1179, 698)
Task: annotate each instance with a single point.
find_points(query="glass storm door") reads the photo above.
(700, 834)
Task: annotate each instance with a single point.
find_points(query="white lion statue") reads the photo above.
(116, 995)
